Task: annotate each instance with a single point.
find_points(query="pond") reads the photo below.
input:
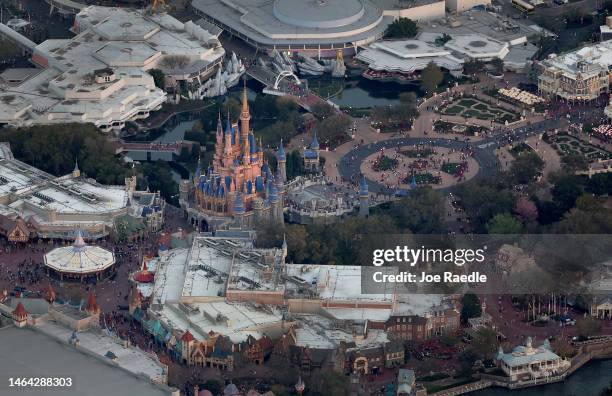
(359, 92)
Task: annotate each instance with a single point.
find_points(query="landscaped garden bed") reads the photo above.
(385, 163)
(567, 144)
(477, 108)
(417, 152)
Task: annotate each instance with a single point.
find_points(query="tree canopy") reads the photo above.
(55, 148)
(431, 77)
(402, 28)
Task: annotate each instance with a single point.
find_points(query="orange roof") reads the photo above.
(20, 311)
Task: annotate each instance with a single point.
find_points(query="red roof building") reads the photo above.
(20, 313)
(187, 337)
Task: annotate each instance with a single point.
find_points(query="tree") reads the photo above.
(233, 106)
(526, 209)
(498, 65)
(422, 211)
(563, 348)
(485, 342)
(157, 176)
(402, 28)
(588, 327)
(526, 167)
(213, 386)
(294, 164)
(566, 190)
(600, 184)
(333, 129)
(504, 223)
(159, 78)
(321, 110)
(431, 77)
(482, 202)
(467, 358)
(54, 149)
(473, 66)
(573, 162)
(470, 307)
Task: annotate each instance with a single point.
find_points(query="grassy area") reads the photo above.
(423, 178)
(475, 108)
(452, 168)
(385, 163)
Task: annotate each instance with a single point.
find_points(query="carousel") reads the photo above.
(80, 261)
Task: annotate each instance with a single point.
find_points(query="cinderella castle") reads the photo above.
(238, 189)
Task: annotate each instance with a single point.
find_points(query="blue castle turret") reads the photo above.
(364, 197)
(413, 183)
(282, 161)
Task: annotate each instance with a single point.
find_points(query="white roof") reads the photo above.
(129, 43)
(415, 54)
(336, 282)
(318, 332)
(237, 321)
(79, 258)
(597, 56)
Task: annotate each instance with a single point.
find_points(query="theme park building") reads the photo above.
(238, 188)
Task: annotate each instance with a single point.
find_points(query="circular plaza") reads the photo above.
(401, 164)
(407, 166)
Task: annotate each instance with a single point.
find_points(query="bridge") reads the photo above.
(25, 44)
(65, 7)
(286, 83)
(149, 151)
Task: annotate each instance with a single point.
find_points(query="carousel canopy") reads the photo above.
(79, 258)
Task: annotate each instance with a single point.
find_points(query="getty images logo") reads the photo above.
(412, 256)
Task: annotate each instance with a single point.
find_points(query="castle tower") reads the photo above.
(275, 203)
(364, 197)
(245, 127)
(239, 209)
(219, 142)
(20, 315)
(282, 161)
(76, 172)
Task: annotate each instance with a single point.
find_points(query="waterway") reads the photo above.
(359, 92)
(589, 380)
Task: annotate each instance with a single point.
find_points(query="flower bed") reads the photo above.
(385, 163)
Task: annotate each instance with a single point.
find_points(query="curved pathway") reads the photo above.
(484, 152)
(350, 164)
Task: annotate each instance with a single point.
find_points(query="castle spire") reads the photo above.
(245, 116)
(76, 172)
(245, 101)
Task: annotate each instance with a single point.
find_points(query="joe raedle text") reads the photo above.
(423, 277)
